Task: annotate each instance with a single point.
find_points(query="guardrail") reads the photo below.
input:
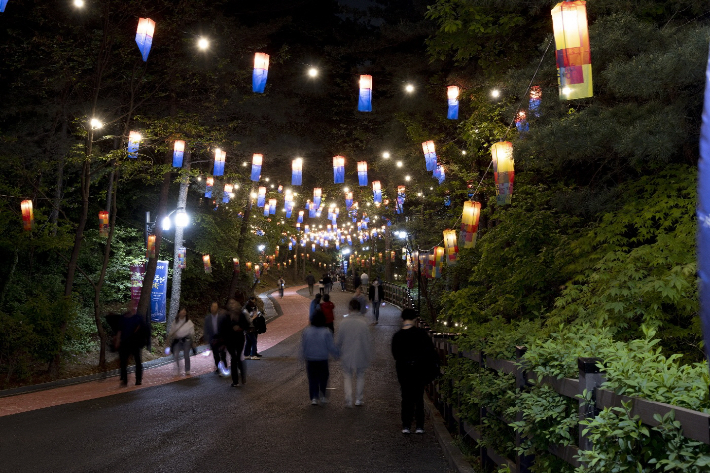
(393, 293)
(695, 425)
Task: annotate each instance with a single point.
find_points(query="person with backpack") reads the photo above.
(417, 364)
(130, 340)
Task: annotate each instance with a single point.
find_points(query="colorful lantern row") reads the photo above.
(178, 153)
(364, 103)
(573, 53)
(219, 159)
(181, 262)
(469, 223)
(209, 183)
(362, 172)
(377, 192)
(28, 216)
(503, 171)
(338, 169)
(134, 142)
(206, 263)
(296, 172)
(451, 246)
(429, 155)
(228, 189)
(261, 71)
(453, 94)
(150, 250)
(256, 162)
(103, 223)
(144, 36)
(261, 197)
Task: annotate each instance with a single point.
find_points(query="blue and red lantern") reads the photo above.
(134, 143)
(364, 103)
(261, 71)
(362, 172)
(296, 172)
(453, 94)
(338, 169)
(377, 192)
(429, 155)
(256, 162)
(178, 153)
(144, 36)
(219, 159)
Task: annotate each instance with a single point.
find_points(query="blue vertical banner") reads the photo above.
(158, 302)
(703, 213)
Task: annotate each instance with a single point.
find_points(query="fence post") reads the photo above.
(523, 462)
(590, 378)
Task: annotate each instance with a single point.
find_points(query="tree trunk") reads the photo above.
(177, 272)
(243, 234)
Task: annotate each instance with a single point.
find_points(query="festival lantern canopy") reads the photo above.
(256, 162)
(207, 264)
(429, 155)
(103, 223)
(261, 197)
(377, 192)
(469, 223)
(317, 193)
(452, 92)
(236, 264)
(219, 159)
(209, 183)
(451, 246)
(401, 194)
(439, 173)
(261, 71)
(338, 170)
(503, 171)
(272, 206)
(521, 122)
(228, 189)
(178, 153)
(144, 36)
(134, 142)
(364, 103)
(535, 98)
(362, 172)
(296, 172)
(150, 250)
(573, 54)
(28, 216)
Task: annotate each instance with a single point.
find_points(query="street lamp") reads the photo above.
(203, 44)
(96, 124)
(79, 3)
(386, 155)
(312, 72)
(181, 219)
(409, 88)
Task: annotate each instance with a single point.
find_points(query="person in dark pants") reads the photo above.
(213, 322)
(415, 355)
(250, 311)
(310, 280)
(316, 346)
(356, 280)
(130, 341)
(234, 327)
(376, 294)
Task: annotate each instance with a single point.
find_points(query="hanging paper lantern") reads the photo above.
(401, 194)
(453, 93)
(313, 247)
(306, 229)
(181, 262)
(266, 210)
(338, 169)
(206, 263)
(272, 206)
(103, 223)
(209, 183)
(236, 264)
(469, 223)
(364, 103)
(439, 259)
(296, 172)
(178, 153)
(150, 251)
(377, 192)
(261, 197)
(535, 97)
(348, 200)
(3, 4)
(300, 216)
(429, 155)
(392, 254)
(219, 159)
(280, 189)
(261, 71)
(28, 216)
(134, 142)
(451, 245)
(439, 173)
(362, 172)
(503, 171)
(228, 188)
(256, 167)
(574, 61)
(521, 122)
(248, 266)
(317, 193)
(144, 36)
(290, 246)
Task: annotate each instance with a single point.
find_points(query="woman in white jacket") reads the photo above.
(182, 334)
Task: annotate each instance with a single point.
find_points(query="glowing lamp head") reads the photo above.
(96, 124)
(386, 155)
(452, 92)
(366, 82)
(261, 61)
(257, 160)
(409, 88)
(79, 3)
(312, 72)
(182, 219)
(203, 44)
(495, 93)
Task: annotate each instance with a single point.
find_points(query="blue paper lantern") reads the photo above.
(219, 158)
(377, 192)
(311, 210)
(261, 71)
(535, 97)
(144, 36)
(362, 172)
(364, 103)
(317, 193)
(178, 153)
(338, 169)
(439, 173)
(348, 200)
(521, 122)
(208, 187)
(266, 210)
(300, 217)
(256, 162)
(3, 4)
(134, 142)
(429, 155)
(296, 172)
(261, 197)
(228, 188)
(400, 199)
(453, 94)
(272, 206)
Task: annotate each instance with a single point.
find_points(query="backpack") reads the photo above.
(259, 323)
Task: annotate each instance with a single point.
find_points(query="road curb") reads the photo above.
(451, 451)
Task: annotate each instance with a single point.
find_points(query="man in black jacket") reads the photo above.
(416, 362)
(233, 328)
(130, 340)
(211, 334)
(376, 294)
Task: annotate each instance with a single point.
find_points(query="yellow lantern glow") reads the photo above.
(451, 246)
(574, 62)
(503, 171)
(469, 223)
(27, 215)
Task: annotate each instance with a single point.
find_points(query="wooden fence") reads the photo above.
(695, 425)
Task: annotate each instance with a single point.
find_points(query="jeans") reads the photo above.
(124, 352)
(310, 289)
(342, 285)
(348, 378)
(326, 288)
(318, 375)
(237, 366)
(376, 310)
(185, 345)
(250, 345)
(412, 403)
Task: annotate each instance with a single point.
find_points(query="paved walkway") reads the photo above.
(203, 424)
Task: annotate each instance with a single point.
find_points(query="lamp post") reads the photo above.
(180, 223)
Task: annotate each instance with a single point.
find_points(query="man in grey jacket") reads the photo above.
(354, 343)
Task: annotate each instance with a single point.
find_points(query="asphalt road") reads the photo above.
(203, 424)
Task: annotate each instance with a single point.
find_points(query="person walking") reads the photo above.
(130, 340)
(315, 304)
(354, 344)
(365, 280)
(181, 336)
(211, 335)
(342, 282)
(327, 283)
(316, 345)
(328, 308)
(281, 282)
(311, 281)
(357, 281)
(234, 329)
(251, 311)
(376, 294)
(416, 364)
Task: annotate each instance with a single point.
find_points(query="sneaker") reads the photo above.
(187, 373)
(259, 355)
(323, 400)
(406, 430)
(235, 385)
(359, 403)
(138, 383)
(314, 402)
(255, 358)
(419, 430)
